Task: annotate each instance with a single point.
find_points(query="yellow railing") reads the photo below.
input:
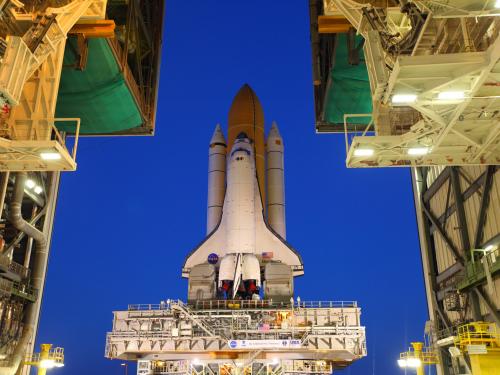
(426, 356)
(478, 333)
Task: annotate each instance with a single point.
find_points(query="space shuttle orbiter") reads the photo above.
(245, 254)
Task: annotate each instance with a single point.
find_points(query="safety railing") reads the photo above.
(13, 266)
(243, 304)
(24, 291)
(55, 356)
(426, 356)
(478, 333)
(76, 134)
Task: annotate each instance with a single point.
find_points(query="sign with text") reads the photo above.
(263, 344)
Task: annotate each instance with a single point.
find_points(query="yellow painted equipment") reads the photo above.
(481, 340)
(418, 357)
(48, 358)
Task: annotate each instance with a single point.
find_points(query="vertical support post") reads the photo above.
(419, 177)
(4, 182)
(417, 349)
(51, 200)
(44, 355)
(464, 235)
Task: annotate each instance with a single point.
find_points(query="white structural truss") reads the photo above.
(212, 337)
(30, 71)
(435, 81)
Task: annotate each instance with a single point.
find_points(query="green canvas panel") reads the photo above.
(98, 95)
(350, 88)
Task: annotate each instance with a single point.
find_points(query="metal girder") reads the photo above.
(471, 189)
(436, 185)
(459, 258)
(464, 234)
(430, 257)
(462, 220)
(489, 305)
(485, 201)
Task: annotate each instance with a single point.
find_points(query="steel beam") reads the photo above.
(489, 305)
(436, 185)
(485, 201)
(464, 234)
(473, 188)
(443, 234)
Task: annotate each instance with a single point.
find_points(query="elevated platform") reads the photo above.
(238, 333)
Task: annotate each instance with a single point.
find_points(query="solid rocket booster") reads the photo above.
(216, 178)
(275, 181)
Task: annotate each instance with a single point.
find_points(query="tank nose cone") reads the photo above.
(245, 115)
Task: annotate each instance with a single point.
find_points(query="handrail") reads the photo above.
(241, 304)
(76, 135)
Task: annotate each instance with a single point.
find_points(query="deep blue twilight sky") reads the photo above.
(136, 206)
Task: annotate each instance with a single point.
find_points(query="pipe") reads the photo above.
(22, 225)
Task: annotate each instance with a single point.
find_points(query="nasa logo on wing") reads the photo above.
(213, 258)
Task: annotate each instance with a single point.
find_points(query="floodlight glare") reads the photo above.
(30, 184)
(413, 362)
(418, 151)
(50, 155)
(363, 152)
(404, 98)
(497, 4)
(402, 363)
(451, 95)
(489, 247)
(38, 189)
(47, 363)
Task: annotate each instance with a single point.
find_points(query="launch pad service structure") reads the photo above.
(241, 316)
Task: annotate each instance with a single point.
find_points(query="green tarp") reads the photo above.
(98, 95)
(350, 89)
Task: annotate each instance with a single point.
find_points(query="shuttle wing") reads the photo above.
(269, 246)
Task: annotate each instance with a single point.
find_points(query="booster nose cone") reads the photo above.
(217, 137)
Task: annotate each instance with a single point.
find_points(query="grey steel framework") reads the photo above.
(459, 218)
(27, 205)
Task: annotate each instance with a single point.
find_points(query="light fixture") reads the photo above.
(50, 155)
(363, 152)
(47, 363)
(489, 247)
(38, 189)
(30, 184)
(418, 150)
(404, 98)
(451, 95)
(410, 362)
(413, 362)
(196, 361)
(497, 4)
(275, 361)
